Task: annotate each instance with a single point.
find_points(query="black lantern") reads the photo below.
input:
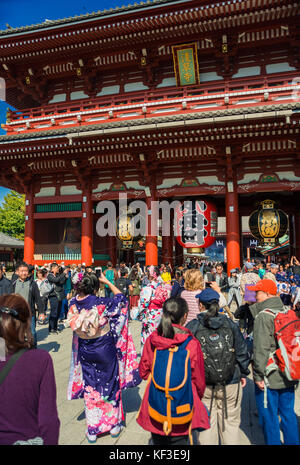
(268, 224)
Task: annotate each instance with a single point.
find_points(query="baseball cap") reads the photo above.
(265, 285)
(207, 295)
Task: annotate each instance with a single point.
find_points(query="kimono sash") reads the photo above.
(116, 310)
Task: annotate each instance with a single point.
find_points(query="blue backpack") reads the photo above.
(170, 394)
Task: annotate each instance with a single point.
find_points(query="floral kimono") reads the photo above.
(101, 366)
(150, 305)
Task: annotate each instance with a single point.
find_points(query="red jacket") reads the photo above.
(200, 416)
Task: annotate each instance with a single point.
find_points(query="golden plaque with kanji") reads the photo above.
(186, 64)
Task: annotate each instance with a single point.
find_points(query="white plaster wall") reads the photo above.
(249, 178)
(58, 98)
(212, 76)
(279, 68)
(134, 185)
(287, 175)
(210, 180)
(78, 95)
(249, 71)
(109, 90)
(134, 86)
(170, 183)
(167, 82)
(102, 187)
(69, 190)
(46, 192)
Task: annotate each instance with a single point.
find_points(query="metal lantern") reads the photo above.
(268, 224)
(196, 225)
(124, 231)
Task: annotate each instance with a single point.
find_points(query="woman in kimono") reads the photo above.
(104, 359)
(151, 302)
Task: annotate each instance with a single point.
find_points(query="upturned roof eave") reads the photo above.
(84, 18)
(263, 111)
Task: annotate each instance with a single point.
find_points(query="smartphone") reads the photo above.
(98, 272)
(207, 284)
(209, 276)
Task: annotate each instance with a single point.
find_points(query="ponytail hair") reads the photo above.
(212, 308)
(174, 310)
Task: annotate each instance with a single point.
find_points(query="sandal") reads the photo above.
(91, 438)
(114, 436)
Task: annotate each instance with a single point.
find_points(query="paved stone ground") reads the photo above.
(71, 413)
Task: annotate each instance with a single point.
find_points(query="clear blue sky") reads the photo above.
(26, 12)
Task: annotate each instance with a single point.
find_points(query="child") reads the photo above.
(171, 333)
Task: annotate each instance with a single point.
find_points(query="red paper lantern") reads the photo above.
(196, 224)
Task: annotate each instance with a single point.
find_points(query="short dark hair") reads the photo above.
(22, 265)
(53, 265)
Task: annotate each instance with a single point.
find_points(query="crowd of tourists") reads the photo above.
(204, 330)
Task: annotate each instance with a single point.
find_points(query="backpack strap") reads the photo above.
(185, 343)
(268, 311)
(8, 366)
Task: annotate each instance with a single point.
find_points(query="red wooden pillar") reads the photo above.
(87, 229)
(232, 226)
(112, 249)
(151, 239)
(29, 228)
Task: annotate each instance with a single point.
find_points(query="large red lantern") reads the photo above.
(196, 224)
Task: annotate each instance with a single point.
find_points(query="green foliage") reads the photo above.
(12, 215)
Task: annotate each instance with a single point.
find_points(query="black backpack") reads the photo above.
(219, 358)
(121, 284)
(218, 351)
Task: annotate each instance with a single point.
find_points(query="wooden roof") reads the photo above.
(8, 241)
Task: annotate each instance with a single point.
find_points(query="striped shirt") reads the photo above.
(192, 302)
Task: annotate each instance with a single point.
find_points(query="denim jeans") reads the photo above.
(64, 309)
(55, 308)
(33, 330)
(280, 403)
